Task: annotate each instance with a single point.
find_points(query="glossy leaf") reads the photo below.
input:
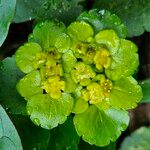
(77, 31)
(87, 146)
(134, 14)
(110, 39)
(47, 33)
(80, 105)
(7, 10)
(48, 112)
(27, 10)
(9, 97)
(9, 138)
(30, 85)
(32, 137)
(125, 94)
(100, 127)
(139, 140)
(69, 60)
(64, 137)
(102, 19)
(25, 56)
(63, 10)
(124, 62)
(146, 91)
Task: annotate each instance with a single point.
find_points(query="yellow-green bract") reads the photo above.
(85, 69)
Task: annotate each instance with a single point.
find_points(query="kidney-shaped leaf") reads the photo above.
(7, 9)
(139, 140)
(100, 127)
(9, 138)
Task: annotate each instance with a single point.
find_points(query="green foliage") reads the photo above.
(63, 10)
(7, 10)
(9, 138)
(27, 10)
(25, 55)
(146, 91)
(135, 14)
(125, 94)
(32, 137)
(84, 145)
(139, 140)
(87, 74)
(49, 112)
(102, 19)
(99, 127)
(64, 137)
(9, 97)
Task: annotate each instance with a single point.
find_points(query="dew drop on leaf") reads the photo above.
(36, 121)
(29, 110)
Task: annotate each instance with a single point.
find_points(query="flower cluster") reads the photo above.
(85, 69)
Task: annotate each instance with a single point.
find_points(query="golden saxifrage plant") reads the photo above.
(84, 69)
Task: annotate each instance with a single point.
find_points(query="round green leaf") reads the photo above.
(80, 105)
(25, 55)
(124, 62)
(70, 85)
(80, 31)
(69, 60)
(47, 33)
(146, 90)
(103, 19)
(63, 43)
(139, 140)
(100, 127)
(29, 85)
(126, 93)
(110, 39)
(48, 112)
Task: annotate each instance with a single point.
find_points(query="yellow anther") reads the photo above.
(85, 95)
(39, 60)
(82, 74)
(106, 85)
(95, 93)
(102, 59)
(54, 86)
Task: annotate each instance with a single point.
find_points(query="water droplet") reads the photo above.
(101, 12)
(36, 121)
(27, 44)
(31, 37)
(29, 110)
(41, 24)
(30, 18)
(46, 126)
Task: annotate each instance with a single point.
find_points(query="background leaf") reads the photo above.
(9, 138)
(32, 137)
(64, 137)
(146, 91)
(83, 145)
(134, 13)
(63, 10)
(27, 10)
(7, 9)
(9, 97)
(139, 140)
